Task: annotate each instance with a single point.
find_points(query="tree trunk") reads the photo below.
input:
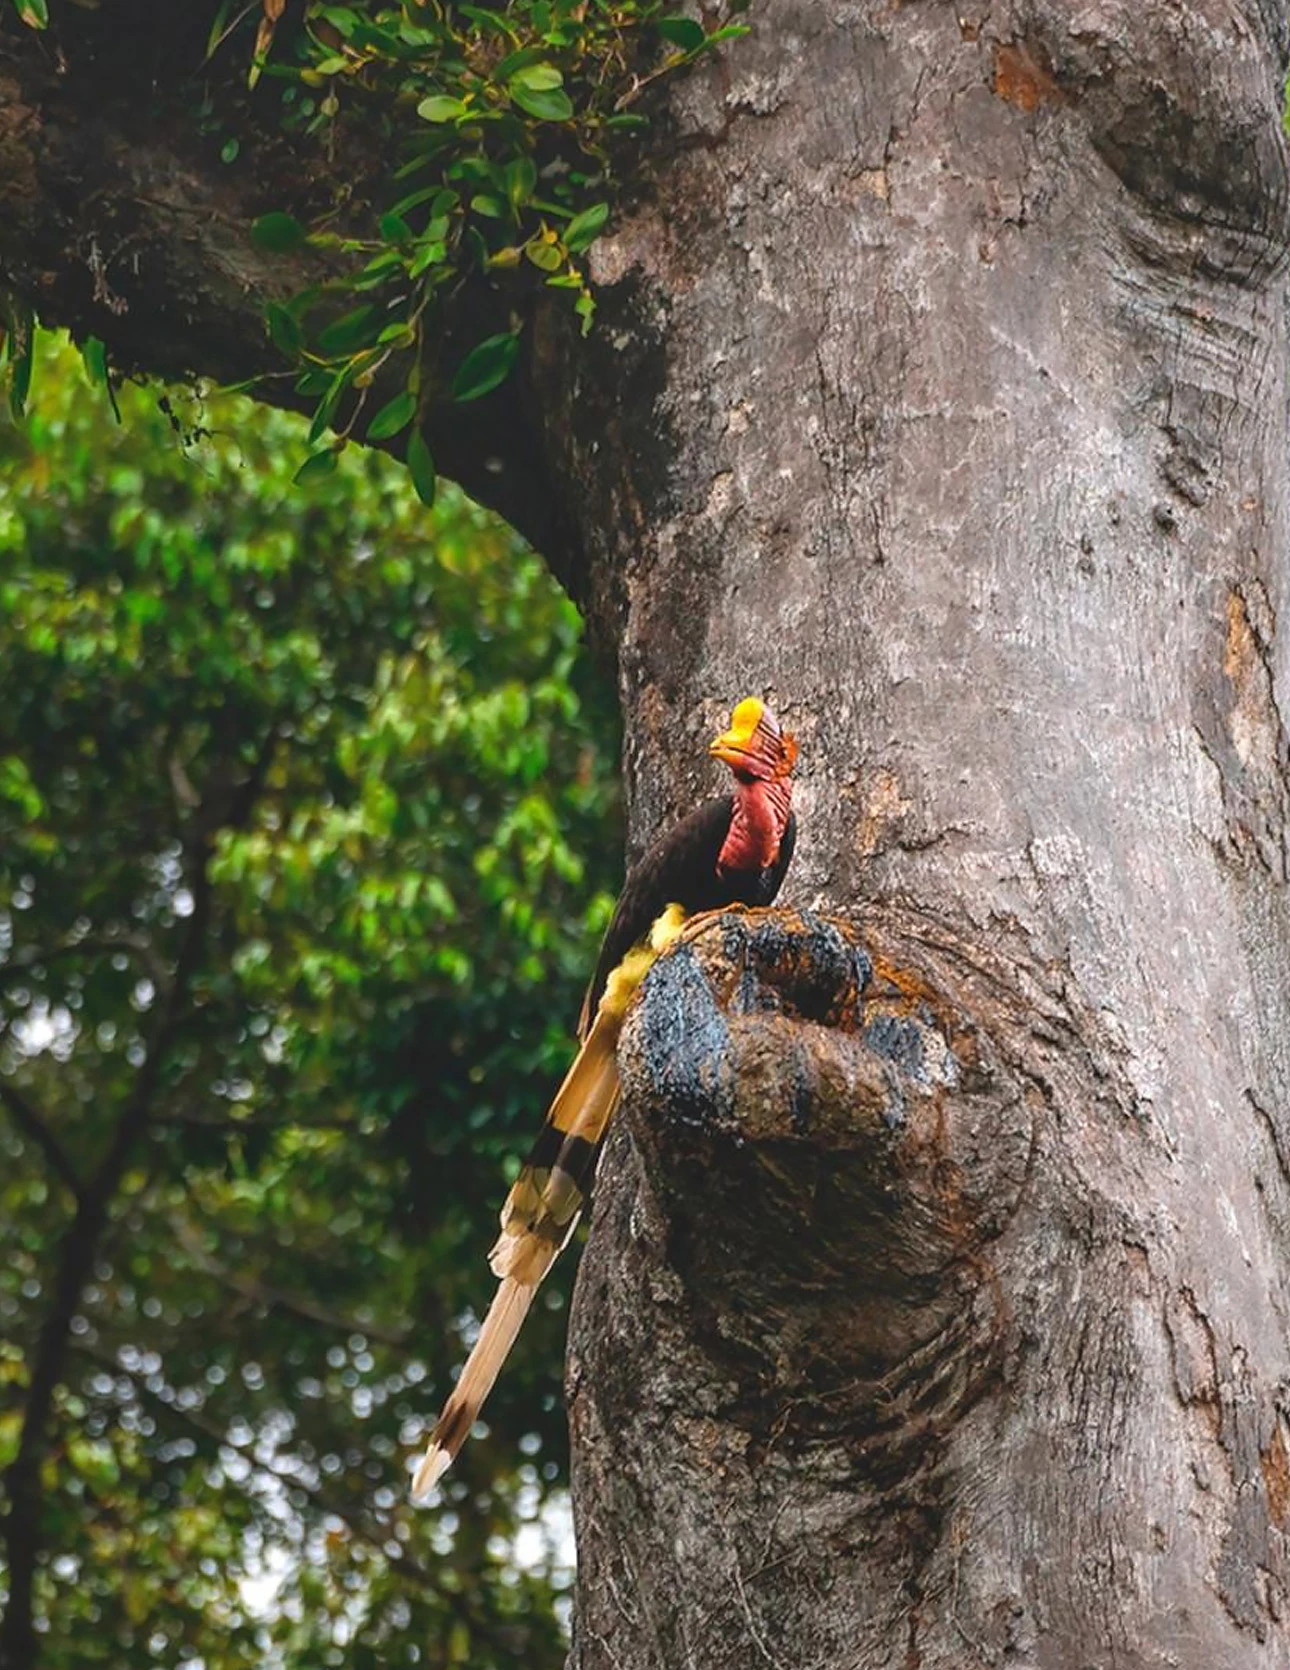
(966, 334)
(934, 1312)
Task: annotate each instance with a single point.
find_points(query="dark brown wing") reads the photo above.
(681, 869)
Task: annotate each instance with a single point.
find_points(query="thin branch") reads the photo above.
(37, 1129)
(277, 1298)
(138, 946)
(231, 1126)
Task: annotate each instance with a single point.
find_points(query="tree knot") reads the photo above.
(812, 1128)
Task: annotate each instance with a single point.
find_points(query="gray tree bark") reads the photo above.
(956, 1334)
(935, 1312)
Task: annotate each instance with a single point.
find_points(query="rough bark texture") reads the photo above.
(970, 448)
(935, 1312)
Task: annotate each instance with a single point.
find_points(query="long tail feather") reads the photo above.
(542, 1208)
(546, 1197)
(540, 1214)
(496, 1337)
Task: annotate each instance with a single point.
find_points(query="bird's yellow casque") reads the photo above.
(730, 850)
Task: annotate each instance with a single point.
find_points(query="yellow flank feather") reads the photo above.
(667, 929)
(624, 981)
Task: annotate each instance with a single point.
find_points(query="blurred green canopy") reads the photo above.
(307, 820)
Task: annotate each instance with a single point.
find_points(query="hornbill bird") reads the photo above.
(730, 850)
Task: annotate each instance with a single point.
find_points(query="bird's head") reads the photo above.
(754, 747)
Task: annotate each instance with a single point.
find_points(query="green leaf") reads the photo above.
(548, 105)
(317, 465)
(326, 407)
(545, 256)
(95, 1462)
(428, 255)
(585, 228)
(344, 19)
(314, 379)
(229, 149)
(521, 179)
(398, 414)
(379, 270)
(537, 78)
(94, 358)
(34, 13)
(413, 200)
(473, 242)
(477, 169)
(284, 329)
(440, 108)
(681, 31)
(278, 232)
(492, 21)
(484, 203)
(217, 30)
(487, 364)
(21, 356)
(394, 229)
(506, 67)
(382, 41)
(355, 329)
(421, 468)
(17, 787)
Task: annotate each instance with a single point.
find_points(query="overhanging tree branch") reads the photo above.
(137, 946)
(155, 257)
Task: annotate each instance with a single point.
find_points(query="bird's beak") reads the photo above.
(728, 747)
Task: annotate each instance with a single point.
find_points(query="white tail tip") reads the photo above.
(434, 1464)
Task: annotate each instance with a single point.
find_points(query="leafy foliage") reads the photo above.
(505, 118)
(304, 824)
(503, 129)
(17, 351)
